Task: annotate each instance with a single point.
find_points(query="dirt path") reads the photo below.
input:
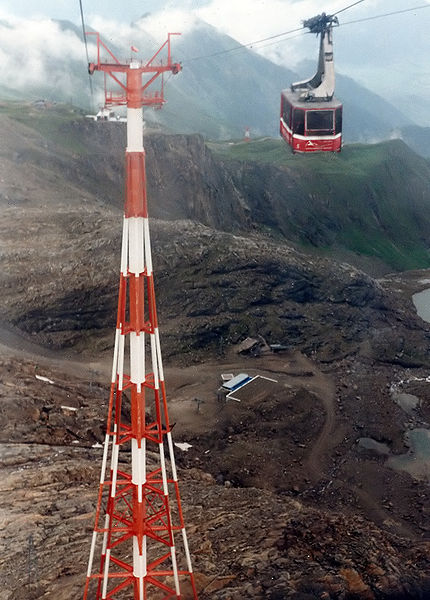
(185, 385)
(324, 442)
(13, 343)
(196, 381)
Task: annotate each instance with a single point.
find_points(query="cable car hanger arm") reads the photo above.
(321, 86)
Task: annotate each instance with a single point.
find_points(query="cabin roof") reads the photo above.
(294, 98)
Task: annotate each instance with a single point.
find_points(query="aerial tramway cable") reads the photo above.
(347, 7)
(241, 46)
(86, 51)
(286, 35)
(396, 12)
(299, 31)
(271, 37)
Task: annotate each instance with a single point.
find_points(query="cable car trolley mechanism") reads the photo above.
(311, 117)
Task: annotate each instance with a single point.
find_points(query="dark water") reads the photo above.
(422, 304)
(416, 462)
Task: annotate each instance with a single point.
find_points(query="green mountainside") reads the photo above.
(369, 199)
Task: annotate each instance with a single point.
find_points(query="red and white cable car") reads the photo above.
(311, 117)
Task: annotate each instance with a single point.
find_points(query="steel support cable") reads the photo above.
(397, 12)
(290, 37)
(347, 7)
(271, 37)
(86, 51)
(242, 46)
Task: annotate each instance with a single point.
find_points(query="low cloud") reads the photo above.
(40, 56)
(148, 32)
(34, 52)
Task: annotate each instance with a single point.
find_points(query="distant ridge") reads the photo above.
(217, 94)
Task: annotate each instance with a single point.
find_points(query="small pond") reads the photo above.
(422, 304)
(416, 462)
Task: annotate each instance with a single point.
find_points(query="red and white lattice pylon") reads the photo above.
(139, 547)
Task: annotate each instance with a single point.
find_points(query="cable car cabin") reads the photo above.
(311, 126)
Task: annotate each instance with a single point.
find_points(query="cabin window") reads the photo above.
(319, 122)
(286, 112)
(338, 119)
(299, 121)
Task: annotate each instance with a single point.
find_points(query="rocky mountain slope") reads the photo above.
(344, 526)
(328, 516)
(227, 227)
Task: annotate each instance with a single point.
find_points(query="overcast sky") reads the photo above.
(245, 20)
(237, 15)
(124, 10)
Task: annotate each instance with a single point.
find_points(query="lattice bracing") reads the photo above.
(139, 547)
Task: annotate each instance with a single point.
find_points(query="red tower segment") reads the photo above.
(138, 553)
